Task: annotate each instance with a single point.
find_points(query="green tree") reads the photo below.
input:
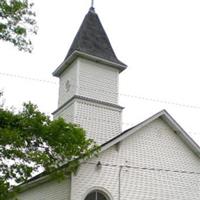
(17, 21)
(29, 141)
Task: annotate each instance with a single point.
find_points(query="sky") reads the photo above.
(158, 40)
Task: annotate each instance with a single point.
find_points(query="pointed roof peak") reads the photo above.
(92, 6)
(92, 39)
(92, 9)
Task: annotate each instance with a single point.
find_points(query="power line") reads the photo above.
(146, 168)
(143, 98)
(27, 78)
(109, 92)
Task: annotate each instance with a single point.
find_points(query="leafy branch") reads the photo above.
(30, 141)
(17, 21)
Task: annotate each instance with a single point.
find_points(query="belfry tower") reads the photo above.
(88, 87)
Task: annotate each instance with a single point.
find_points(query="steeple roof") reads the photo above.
(92, 43)
(91, 39)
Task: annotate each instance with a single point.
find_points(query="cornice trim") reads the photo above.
(89, 100)
(80, 54)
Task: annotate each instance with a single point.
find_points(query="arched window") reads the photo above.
(96, 195)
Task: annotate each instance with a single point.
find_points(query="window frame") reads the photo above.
(102, 191)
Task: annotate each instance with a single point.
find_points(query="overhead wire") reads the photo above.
(139, 97)
(146, 168)
(27, 78)
(155, 100)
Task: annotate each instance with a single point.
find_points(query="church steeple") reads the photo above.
(91, 41)
(88, 87)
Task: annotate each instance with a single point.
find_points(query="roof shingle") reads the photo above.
(91, 39)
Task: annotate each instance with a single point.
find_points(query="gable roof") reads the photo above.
(164, 115)
(91, 42)
(167, 118)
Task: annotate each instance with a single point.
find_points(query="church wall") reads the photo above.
(153, 163)
(89, 178)
(67, 113)
(98, 81)
(100, 122)
(157, 146)
(70, 76)
(51, 190)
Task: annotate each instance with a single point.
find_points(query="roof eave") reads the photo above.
(30, 184)
(165, 116)
(77, 54)
(181, 133)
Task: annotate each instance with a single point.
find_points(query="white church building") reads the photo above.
(154, 160)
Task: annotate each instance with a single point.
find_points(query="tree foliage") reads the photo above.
(17, 21)
(29, 140)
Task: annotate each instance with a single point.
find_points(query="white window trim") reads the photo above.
(100, 189)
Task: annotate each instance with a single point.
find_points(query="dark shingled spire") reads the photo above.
(92, 39)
